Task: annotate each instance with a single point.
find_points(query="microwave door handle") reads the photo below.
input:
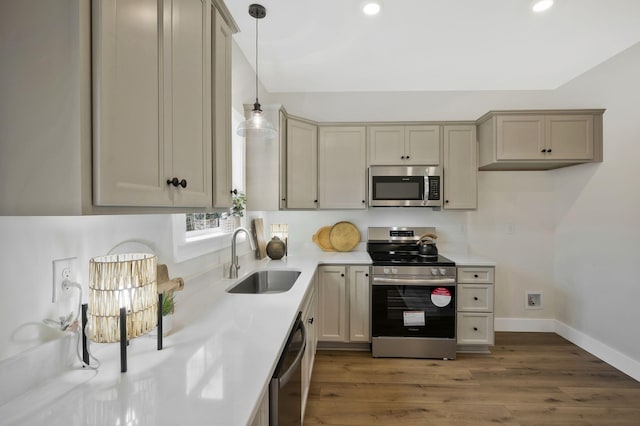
(425, 196)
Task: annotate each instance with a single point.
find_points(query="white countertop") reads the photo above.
(214, 367)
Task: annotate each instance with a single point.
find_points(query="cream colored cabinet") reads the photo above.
(475, 329)
(343, 304)
(152, 103)
(404, 145)
(460, 167)
(342, 167)
(538, 140)
(222, 163)
(309, 313)
(302, 164)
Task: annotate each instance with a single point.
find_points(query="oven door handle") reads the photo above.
(412, 281)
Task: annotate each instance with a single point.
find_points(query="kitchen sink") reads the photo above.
(265, 282)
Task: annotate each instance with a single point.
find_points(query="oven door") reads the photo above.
(415, 308)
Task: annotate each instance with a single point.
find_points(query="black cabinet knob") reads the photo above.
(234, 192)
(475, 276)
(342, 275)
(310, 320)
(549, 150)
(475, 298)
(315, 201)
(363, 201)
(475, 328)
(544, 150)
(402, 158)
(446, 201)
(408, 157)
(366, 275)
(176, 182)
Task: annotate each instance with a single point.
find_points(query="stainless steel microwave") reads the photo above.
(405, 186)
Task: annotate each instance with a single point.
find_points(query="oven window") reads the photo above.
(398, 187)
(413, 311)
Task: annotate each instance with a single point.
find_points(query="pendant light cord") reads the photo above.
(256, 60)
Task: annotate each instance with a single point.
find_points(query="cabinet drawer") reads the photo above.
(475, 328)
(475, 297)
(475, 275)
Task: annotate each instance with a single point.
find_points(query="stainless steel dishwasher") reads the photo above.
(285, 389)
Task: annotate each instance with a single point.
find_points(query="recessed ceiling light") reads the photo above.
(541, 5)
(371, 7)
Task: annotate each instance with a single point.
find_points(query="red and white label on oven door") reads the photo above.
(440, 297)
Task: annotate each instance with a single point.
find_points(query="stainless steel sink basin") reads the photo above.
(262, 282)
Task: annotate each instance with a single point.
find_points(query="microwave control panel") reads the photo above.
(434, 188)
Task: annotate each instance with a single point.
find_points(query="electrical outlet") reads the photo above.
(533, 300)
(63, 269)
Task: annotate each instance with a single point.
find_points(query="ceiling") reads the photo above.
(427, 45)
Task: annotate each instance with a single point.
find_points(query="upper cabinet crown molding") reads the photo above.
(539, 139)
(226, 15)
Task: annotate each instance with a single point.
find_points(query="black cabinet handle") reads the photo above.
(342, 275)
(475, 328)
(310, 320)
(366, 275)
(544, 150)
(315, 201)
(549, 150)
(234, 192)
(475, 298)
(408, 157)
(284, 199)
(475, 276)
(176, 182)
(363, 201)
(446, 201)
(402, 158)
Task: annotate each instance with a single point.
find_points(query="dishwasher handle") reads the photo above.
(286, 376)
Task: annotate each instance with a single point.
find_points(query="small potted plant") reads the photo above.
(168, 308)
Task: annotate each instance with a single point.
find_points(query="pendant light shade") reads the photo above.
(257, 125)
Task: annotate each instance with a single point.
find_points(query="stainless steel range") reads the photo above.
(413, 296)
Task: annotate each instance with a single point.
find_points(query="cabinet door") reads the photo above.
(342, 168)
(332, 319)
(359, 304)
(422, 145)
(189, 100)
(222, 172)
(569, 137)
(520, 137)
(460, 167)
(302, 165)
(475, 328)
(308, 318)
(386, 145)
(131, 153)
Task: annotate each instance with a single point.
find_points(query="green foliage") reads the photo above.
(168, 303)
(239, 203)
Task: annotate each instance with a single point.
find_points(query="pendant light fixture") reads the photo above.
(257, 125)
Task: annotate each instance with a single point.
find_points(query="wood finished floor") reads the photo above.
(528, 379)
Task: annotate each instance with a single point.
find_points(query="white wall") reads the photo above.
(597, 213)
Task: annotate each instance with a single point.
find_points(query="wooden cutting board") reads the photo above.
(321, 238)
(344, 236)
(257, 227)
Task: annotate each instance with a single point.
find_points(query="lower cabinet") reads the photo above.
(475, 329)
(343, 304)
(309, 314)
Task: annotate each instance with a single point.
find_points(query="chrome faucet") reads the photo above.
(233, 268)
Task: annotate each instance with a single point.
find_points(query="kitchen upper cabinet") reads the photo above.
(152, 103)
(404, 145)
(342, 167)
(460, 164)
(222, 163)
(343, 303)
(539, 140)
(302, 164)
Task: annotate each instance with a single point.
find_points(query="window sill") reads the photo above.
(197, 244)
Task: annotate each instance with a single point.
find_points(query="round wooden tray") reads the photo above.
(344, 236)
(321, 238)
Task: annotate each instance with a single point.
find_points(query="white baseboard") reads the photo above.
(525, 324)
(609, 355)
